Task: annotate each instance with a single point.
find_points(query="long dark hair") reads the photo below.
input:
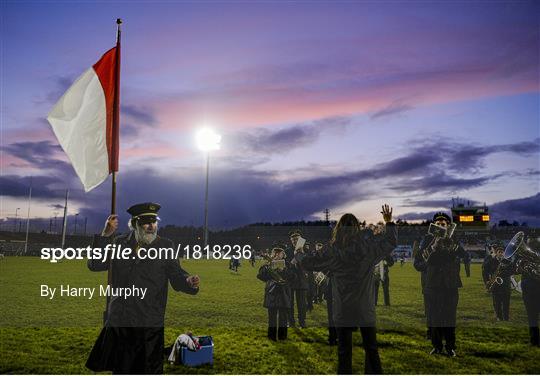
(346, 230)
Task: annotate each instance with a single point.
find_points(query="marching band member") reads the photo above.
(132, 341)
(501, 292)
(299, 284)
(440, 259)
(382, 277)
(530, 287)
(277, 293)
(350, 259)
(321, 287)
(421, 266)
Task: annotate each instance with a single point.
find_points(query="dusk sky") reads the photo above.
(338, 105)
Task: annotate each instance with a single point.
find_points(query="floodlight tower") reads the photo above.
(207, 141)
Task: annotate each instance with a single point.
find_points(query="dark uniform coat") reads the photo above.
(276, 295)
(442, 268)
(299, 280)
(351, 276)
(132, 339)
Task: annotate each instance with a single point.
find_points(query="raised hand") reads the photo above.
(386, 213)
(111, 225)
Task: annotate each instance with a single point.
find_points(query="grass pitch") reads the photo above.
(38, 335)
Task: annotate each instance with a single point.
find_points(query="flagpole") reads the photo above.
(64, 222)
(115, 145)
(116, 117)
(28, 218)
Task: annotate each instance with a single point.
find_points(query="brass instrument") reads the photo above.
(273, 267)
(438, 232)
(496, 279)
(524, 259)
(320, 278)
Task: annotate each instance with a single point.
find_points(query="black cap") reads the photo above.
(443, 216)
(146, 209)
(278, 246)
(294, 232)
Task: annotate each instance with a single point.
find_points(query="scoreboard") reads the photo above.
(471, 218)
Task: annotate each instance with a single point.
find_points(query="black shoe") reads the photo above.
(451, 353)
(272, 334)
(435, 351)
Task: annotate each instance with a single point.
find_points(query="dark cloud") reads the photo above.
(271, 141)
(16, 186)
(59, 84)
(466, 157)
(242, 195)
(128, 130)
(141, 116)
(441, 182)
(433, 203)
(410, 165)
(393, 108)
(40, 154)
(522, 210)
(417, 216)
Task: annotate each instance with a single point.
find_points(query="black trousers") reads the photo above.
(300, 305)
(332, 333)
(531, 299)
(501, 304)
(372, 365)
(427, 314)
(442, 306)
(386, 290)
(277, 323)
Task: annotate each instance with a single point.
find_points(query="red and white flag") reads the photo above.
(85, 121)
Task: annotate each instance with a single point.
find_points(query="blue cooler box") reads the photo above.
(205, 355)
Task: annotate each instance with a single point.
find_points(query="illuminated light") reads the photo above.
(466, 218)
(485, 218)
(208, 140)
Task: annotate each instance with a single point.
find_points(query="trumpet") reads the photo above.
(273, 267)
(438, 232)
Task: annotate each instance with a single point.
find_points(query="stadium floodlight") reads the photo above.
(208, 140)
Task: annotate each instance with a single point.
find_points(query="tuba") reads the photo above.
(524, 259)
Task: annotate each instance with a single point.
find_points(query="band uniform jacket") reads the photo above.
(134, 323)
(487, 267)
(443, 265)
(300, 278)
(276, 294)
(351, 275)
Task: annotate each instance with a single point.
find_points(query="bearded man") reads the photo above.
(132, 340)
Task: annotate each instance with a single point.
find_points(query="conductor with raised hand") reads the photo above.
(350, 259)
